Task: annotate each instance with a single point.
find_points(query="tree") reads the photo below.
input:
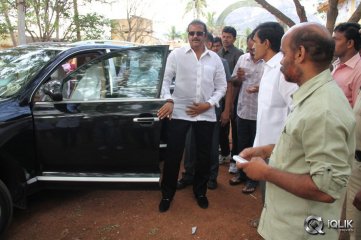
(332, 13)
(173, 34)
(211, 23)
(197, 7)
(91, 27)
(135, 28)
(21, 21)
(43, 18)
(7, 27)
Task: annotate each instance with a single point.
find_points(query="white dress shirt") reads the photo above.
(197, 81)
(247, 102)
(274, 102)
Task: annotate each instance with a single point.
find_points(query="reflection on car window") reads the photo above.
(63, 70)
(126, 74)
(19, 65)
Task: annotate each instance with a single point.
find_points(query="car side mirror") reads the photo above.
(53, 90)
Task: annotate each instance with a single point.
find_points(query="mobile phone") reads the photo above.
(239, 159)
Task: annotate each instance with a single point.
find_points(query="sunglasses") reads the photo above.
(199, 34)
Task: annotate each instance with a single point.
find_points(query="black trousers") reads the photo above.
(190, 152)
(224, 134)
(177, 130)
(246, 134)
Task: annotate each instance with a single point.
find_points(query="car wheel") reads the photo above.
(6, 208)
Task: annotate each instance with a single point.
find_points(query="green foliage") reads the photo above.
(92, 26)
(45, 18)
(4, 31)
(173, 33)
(197, 7)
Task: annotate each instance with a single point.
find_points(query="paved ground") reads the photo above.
(133, 214)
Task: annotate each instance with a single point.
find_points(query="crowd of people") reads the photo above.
(292, 103)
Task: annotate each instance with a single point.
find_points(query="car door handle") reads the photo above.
(146, 119)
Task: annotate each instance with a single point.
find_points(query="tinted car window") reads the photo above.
(126, 74)
(19, 65)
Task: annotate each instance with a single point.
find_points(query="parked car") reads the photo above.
(83, 112)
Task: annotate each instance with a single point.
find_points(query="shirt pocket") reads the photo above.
(283, 152)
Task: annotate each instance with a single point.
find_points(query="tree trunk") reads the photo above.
(21, 22)
(300, 11)
(332, 14)
(356, 16)
(277, 13)
(76, 20)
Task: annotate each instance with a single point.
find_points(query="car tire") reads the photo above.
(6, 208)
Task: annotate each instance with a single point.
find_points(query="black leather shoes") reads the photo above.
(183, 183)
(164, 204)
(212, 184)
(202, 201)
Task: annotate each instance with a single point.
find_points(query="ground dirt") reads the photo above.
(133, 214)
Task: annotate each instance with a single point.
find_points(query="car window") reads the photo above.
(62, 71)
(133, 73)
(19, 65)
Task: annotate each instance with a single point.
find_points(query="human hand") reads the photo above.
(357, 200)
(261, 151)
(225, 117)
(197, 108)
(241, 73)
(255, 169)
(166, 110)
(253, 89)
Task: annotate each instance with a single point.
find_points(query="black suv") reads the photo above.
(83, 112)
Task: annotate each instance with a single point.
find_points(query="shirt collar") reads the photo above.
(353, 61)
(349, 63)
(275, 60)
(189, 49)
(231, 49)
(249, 58)
(310, 86)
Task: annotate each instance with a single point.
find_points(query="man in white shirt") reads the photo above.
(200, 84)
(274, 96)
(247, 73)
(274, 93)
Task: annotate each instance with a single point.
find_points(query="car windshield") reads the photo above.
(19, 65)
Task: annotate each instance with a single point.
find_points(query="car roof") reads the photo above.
(82, 45)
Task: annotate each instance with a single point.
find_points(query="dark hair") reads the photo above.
(198, 22)
(231, 30)
(351, 31)
(217, 39)
(319, 46)
(251, 35)
(271, 31)
(210, 37)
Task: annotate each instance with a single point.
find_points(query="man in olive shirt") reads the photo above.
(310, 164)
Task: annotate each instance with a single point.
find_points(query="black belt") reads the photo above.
(358, 155)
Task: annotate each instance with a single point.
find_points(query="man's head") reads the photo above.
(209, 41)
(217, 44)
(347, 38)
(229, 35)
(307, 49)
(197, 32)
(267, 40)
(250, 43)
